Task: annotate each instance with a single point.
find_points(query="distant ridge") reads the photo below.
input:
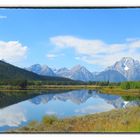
(11, 72)
(127, 69)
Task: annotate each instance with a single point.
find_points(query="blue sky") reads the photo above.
(95, 38)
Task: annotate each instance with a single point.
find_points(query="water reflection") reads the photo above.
(12, 116)
(81, 96)
(76, 97)
(72, 103)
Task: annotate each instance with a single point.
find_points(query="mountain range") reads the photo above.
(12, 73)
(127, 69)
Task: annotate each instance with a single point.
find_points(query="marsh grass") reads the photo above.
(47, 88)
(124, 120)
(119, 91)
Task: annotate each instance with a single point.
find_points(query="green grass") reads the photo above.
(124, 120)
(119, 91)
(46, 88)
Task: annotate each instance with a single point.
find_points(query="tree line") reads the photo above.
(22, 84)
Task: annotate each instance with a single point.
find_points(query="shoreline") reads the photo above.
(121, 120)
(45, 88)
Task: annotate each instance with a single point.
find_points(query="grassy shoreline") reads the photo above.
(104, 89)
(123, 120)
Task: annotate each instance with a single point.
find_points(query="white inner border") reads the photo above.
(73, 3)
(69, 137)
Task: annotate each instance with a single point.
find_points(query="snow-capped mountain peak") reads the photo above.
(79, 72)
(128, 67)
(41, 70)
(79, 68)
(64, 69)
(125, 69)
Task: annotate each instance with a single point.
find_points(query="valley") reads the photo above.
(112, 94)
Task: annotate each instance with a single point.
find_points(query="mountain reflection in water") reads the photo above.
(81, 96)
(66, 104)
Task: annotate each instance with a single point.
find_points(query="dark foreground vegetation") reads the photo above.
(26, 84)
(124, 120)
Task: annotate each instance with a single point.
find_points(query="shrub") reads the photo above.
(49, 119)
(130, 85)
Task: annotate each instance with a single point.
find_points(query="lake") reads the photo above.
(19, 111)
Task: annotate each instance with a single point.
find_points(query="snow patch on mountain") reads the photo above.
(126, 68)
(41, 70)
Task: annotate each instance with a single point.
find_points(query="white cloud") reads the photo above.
(135, 44)
(52, 56)
(77, 58)
(3, 17)
(51, 113)
(95, 109)
(98, 51)
(12, 51)
(11, 117)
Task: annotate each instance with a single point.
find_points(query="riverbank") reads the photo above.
(45, 88)
(120, 91)
(123, 120)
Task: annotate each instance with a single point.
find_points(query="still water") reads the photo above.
(66, 104)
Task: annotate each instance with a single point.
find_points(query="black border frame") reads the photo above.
(70, 7)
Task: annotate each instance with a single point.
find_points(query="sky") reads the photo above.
(94, 38)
